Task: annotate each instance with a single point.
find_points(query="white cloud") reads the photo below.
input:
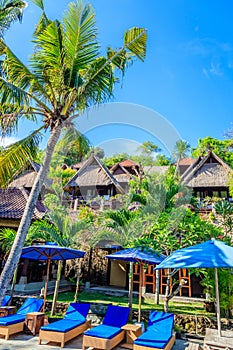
(6, 141)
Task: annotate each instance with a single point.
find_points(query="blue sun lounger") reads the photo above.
(159, 334)
(73, 324)
(14, 323)
(109, 333)
(6, 300)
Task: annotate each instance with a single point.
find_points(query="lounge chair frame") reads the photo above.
(11, 329)
(102, 343)
(167, 347)
(63, 337)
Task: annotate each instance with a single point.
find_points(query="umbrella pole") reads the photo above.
(130, 289)
(217, 302)
(46, 284)
(140, 293)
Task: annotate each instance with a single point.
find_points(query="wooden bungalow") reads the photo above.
(12, 205)
(92, 180)
(208, 177)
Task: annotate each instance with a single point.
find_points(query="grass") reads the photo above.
(194, 308)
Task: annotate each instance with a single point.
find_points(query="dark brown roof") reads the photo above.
(13, 202)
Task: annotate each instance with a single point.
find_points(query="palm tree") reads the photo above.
(180, 151)
(66, 75)
(10, 11)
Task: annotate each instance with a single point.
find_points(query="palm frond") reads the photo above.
(10, 11)
(99, 79)
(48, 60)
(20, 77)
(81, 45)
(100, 82)
(13, 157)
(11, 114)
(39, 3)
(135, 41)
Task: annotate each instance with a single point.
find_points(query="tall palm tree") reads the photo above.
(180, 151)
(10, 11)
(66, 74)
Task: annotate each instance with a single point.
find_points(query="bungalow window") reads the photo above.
(223, 194)
(215, 194)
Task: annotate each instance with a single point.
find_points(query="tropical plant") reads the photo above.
(10, 11)
(180, 151)
(222, 148)
(66, 75)
(70, 149)
(61, 230)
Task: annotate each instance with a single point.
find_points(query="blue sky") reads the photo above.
(187, 76)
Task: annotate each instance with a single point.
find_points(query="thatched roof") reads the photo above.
(93, 173)
(152, 169)
(26, 177)
(208, 171)
(13, 202)
(120, 173)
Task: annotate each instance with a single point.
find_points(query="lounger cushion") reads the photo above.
(103, 331)
(154, 338)
(6, 300)
(62, 326)
(11, 319)
(77, 311)
(116, 316)
(30, 305)
(161, 321)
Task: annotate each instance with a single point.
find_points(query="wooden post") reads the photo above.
(140, 293)
(130, 289)
(157, 273)
(217, 302)
(77, 283)
(59, 268)
(46, 284)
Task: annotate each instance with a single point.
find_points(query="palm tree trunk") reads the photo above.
(25, 222)
(177, 168)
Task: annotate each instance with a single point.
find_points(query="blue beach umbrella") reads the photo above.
(139, 255)
(50, 251)
(210, 254)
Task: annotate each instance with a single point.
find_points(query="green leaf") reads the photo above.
(16, 155)
(135, 41)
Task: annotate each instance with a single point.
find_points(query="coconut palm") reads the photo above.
(10, 11)
(180, 151)
(66, 74)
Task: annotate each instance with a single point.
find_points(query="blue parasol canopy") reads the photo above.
(146, 255)
(142, 255)
(50, 251)
(210, 254)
